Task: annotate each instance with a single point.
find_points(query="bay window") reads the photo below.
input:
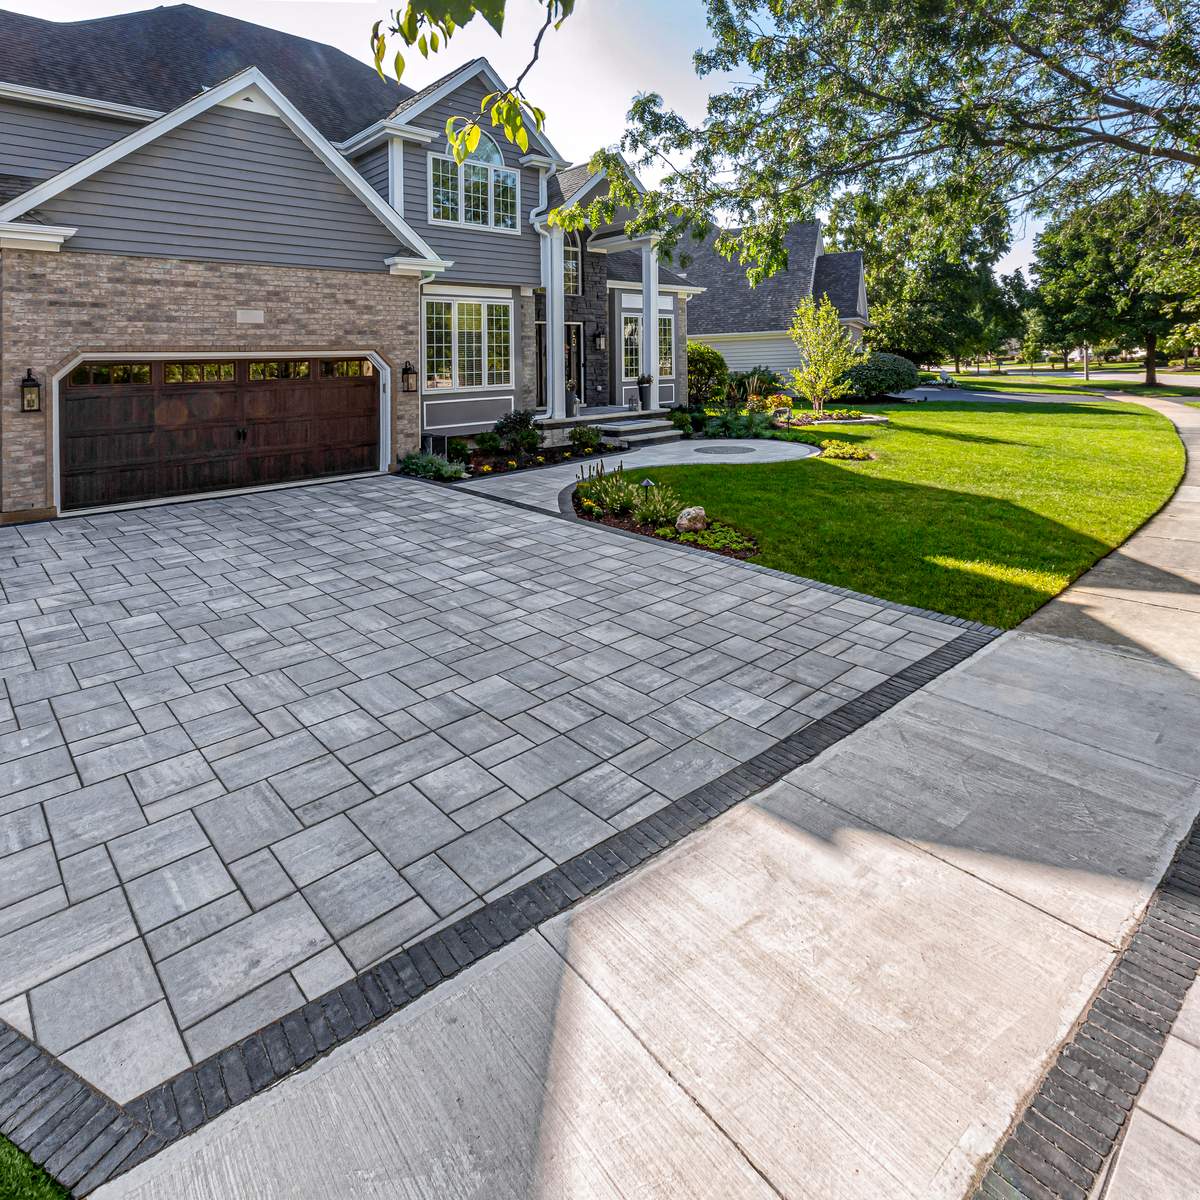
(468, 344)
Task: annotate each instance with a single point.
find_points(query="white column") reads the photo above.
(556, 359)
(650, 318)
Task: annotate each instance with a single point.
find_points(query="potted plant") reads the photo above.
(572, 398)
(643, 384)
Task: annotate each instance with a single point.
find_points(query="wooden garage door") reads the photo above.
(140, 431)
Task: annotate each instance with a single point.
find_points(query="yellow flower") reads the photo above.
(512, 462)
(541, 458)
(566, 454)
(485, 469)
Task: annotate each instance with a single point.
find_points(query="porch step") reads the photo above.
(634, 440)
(631, 433)
(620, 428)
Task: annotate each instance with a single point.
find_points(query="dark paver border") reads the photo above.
(84, 1138)
(1057, 1147)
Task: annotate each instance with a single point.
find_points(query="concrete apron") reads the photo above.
(846, 987)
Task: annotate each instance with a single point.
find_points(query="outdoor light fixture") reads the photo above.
(31, 393)
(647, 483)
(408, 377)
(600, 340)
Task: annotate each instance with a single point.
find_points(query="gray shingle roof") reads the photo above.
(731, 305)
(839, 277)
(564, 184)
(161, 57)
(428, 90)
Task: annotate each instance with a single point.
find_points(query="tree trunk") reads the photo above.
(1151, 353)
(957, 364)
(1066, 360)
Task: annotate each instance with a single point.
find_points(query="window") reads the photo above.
(287, 369)
(572, 266)
(468, 343)
(206, 372)
(666, 346)
(108, 374)
(483, 192)
(632, 346)
(346, 368)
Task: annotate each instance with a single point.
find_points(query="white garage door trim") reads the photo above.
(385, 407)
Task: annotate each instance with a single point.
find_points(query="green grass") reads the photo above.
(1029, 386)
(1191, 403)
(21, 1180)
(979, 510)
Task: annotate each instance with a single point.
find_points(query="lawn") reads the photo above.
(979, 510)
(21, 1180)
(1039, 385)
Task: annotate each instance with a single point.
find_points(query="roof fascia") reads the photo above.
(51, 99)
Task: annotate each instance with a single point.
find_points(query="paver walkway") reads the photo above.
(846, 987)
(541, 488)
(251, 746)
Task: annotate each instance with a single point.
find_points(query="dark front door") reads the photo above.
(141, 431)
(572, 358)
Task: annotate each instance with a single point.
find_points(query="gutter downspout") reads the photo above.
(551, 267)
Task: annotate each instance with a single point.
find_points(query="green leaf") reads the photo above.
(473, 134)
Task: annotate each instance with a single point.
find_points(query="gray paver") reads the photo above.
(245, 1015)
(359, 679)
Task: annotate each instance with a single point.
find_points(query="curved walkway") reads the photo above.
(540, 488)
(846, 986)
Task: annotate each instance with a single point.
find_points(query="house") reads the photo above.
(749, 325)
(231, 257)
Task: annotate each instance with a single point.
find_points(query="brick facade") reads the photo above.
(54, 307)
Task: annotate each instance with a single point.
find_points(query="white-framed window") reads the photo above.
(483, 193)
(572, 265)
(468, 343)
(631, 345)
(666, 346)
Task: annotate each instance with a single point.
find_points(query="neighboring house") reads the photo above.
(749, 326)
(232, 257)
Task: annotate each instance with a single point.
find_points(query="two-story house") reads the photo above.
(231, 257)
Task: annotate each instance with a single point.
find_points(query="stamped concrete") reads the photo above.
(852, 981)
(259, 743)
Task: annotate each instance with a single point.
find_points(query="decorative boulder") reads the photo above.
(691, 520)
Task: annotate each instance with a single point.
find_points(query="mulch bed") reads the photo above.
(547, 456)
(631, 526)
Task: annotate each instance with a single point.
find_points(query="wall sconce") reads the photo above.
(31, 393)
(600, 340)
(408, 377)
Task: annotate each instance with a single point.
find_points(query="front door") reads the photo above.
(572, 359)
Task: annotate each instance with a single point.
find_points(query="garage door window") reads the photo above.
(346, 368)
(284, 369)
(203, 372)
(109, 374)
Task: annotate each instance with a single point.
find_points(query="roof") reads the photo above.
(428, 90)
(565, 184)
(160, 57)
(731, 305)
(839, 276)
(626, 267)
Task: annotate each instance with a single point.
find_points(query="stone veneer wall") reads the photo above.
(590, 307)
(527, 308)
(54, 306)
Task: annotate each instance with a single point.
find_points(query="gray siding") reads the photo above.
(40, 142)
(373, 167)
(479, 255)
(228, 186)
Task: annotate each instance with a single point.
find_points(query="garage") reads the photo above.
(144, 430)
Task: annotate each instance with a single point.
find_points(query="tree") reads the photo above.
(1031, 101)
(429, 25)
(1092, 282)
(827, 353)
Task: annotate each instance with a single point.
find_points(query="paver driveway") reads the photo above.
(250, 746)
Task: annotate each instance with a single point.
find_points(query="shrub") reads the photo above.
(881, 374)
(832, 448)
(488, 443)
(763, 380)
(586, 437)
(458, 451)
(656, 505)
(666, 531)
(430, 466)
(719, 536)
(681, 418)
(610, 491)
(759, 403)
(735, 425)
(517, 430)
(827, 353)
(706, 371)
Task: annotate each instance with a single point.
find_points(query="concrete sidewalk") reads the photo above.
(846, 987)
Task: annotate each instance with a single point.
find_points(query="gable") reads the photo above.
(230, 185)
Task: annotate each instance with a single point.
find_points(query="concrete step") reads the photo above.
(635, 425)
(653, 437)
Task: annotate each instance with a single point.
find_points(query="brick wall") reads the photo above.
(54, 307)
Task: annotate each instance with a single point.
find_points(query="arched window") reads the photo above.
(572, 265)
(482, 192)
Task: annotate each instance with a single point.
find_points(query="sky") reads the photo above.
(588, 73)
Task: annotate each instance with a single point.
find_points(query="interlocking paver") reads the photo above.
(410, 699)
